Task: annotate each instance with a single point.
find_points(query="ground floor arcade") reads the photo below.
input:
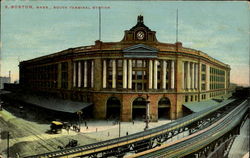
(128, 107)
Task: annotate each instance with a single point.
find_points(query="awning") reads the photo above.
(199, 106)
(51, 103)
(202, 105)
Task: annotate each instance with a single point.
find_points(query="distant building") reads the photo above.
(117, 77)
(4, 80)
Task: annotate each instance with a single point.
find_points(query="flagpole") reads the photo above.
(177, 25)
(100, 24)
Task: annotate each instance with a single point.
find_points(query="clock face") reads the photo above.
(140, 35)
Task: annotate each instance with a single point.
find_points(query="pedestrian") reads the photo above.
(126, 133)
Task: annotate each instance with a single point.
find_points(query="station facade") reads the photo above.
(118, 77)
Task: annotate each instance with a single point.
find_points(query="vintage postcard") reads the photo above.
(147, 77)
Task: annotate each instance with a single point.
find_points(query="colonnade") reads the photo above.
(83, 73)
(152, 73)
(190, 75)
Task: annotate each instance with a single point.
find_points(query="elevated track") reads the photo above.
(200, 126)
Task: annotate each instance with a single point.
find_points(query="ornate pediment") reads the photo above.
(140, 51)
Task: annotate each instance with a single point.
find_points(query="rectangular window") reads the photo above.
(119, 75)
(203, 67)
(133, 75)
(133, 86)
(139, 63)
(139, 75)
(119, 84)
(110, 63)
(144, 63)
(203, 86)
(133, 63)
(158, 75)
(139, 86)
(145, 75)
(203, 77)
(110, 75)
(119, 63)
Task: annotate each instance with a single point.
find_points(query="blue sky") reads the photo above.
(220, 29)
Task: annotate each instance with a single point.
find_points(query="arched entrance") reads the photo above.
(113, 108)
(164, 108)
(139, 108)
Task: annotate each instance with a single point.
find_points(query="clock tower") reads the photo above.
(139, 33)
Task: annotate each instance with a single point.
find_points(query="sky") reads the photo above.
(219, 29)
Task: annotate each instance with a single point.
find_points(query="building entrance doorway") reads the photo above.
(113, 108)
(164, 108)
(139, 108)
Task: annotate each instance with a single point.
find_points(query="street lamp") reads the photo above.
(79, 113)
(147, 112)
(119, 128)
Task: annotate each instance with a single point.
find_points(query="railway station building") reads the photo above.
(118, 78)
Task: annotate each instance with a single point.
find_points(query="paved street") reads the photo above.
(29, 137)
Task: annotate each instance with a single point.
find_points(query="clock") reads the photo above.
(140, 35)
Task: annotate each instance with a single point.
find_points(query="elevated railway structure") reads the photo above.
(216, 122)
(204, 143)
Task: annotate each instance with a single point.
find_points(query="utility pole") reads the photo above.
(147, 112)
(79, 113)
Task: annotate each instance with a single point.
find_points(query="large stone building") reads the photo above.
(118, 77)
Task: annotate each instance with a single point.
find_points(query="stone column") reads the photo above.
(129, 74)
(193, 75)
(155, 74)
(207, 77)
(74, 74)
(183, 75)
(225, 79)
(104, 74)
(164, 71)
(98, 77)
(196, 76)
(79, 73)
(172, 74)
(124, 75)
(70, 74)
(113, 73)
(150, 79)
(199, 77)
(92, 73)
(85, 74)
(188, 75)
